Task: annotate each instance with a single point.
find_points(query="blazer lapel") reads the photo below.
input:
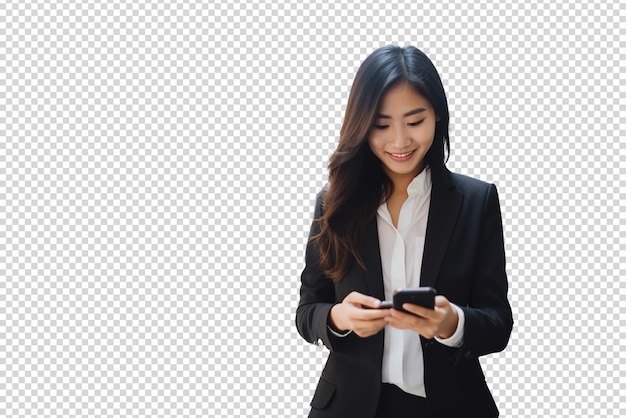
(445, 203)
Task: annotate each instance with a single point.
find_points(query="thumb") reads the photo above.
(360, 298)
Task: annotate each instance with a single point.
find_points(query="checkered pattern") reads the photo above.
(158, 168)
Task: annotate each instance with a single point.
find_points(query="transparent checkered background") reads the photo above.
(158, 168)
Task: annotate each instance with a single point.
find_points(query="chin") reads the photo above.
(403, 172)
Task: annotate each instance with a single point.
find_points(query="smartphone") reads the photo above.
(385, 304)
(422, 296)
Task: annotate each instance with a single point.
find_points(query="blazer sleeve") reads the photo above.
(317, 293)
(488, 316)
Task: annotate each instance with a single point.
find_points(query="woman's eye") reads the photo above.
(415, 123)
(381, 126)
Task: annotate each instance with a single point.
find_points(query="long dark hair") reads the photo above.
(357, 183)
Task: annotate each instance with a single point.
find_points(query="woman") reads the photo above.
(393, 216)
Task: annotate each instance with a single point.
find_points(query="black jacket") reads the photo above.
(464, 260)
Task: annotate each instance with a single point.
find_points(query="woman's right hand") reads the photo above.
(350, 314)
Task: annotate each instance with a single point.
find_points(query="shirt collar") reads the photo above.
(420, 184)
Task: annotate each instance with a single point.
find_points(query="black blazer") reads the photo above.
(464, 260)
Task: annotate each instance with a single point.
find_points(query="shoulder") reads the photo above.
(319, 201)
(323, 190)
(466, 184)
(476, 193)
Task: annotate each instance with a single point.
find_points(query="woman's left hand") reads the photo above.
(439, 322)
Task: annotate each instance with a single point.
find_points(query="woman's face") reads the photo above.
(403, 132)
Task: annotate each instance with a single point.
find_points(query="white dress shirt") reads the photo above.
(401, 251)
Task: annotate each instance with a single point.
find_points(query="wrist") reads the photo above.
(336, 319)
(451, 328)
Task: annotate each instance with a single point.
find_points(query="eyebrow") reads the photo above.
(409, 113)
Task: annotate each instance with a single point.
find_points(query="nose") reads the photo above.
(400, 136)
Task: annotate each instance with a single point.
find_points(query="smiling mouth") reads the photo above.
(403, 156)
(406, 154)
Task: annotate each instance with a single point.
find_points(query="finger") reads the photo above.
(370, 327)
(377, 325)
(360, 298)
(407, 319)
(419, 310)
(404, 316)
(442, 305)
(411, 322)
(441, 301)
(397, 324)
(371, 314)
(403, 322)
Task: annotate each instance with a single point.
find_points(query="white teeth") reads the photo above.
(402, 155)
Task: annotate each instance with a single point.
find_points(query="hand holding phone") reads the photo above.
(422, 296)
(351, 314)
(424, 319)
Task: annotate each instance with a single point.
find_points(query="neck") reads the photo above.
(401, 181)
